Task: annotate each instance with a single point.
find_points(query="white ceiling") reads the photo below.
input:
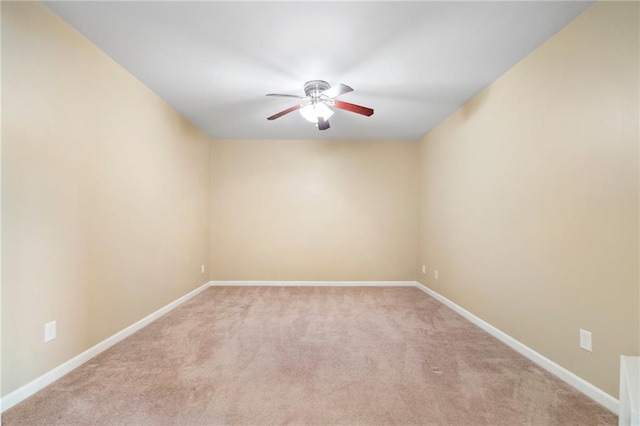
(413, 62)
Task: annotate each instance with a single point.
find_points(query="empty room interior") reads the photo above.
(323, 213)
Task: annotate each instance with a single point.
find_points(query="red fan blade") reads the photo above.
(286, 111)
(284, 96)
(336, 91)
(354, 108)
(323, 124)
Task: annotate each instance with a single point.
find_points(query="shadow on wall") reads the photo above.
(474, 104)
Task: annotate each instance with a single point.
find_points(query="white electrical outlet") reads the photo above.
(202, 269)
(585, 340)
(436, 274)
(424, 269)
(49, 331)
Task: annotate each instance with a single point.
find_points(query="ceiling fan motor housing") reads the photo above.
(314, 88)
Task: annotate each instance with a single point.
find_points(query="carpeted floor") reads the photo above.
(309, 355)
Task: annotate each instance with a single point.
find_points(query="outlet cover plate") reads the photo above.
(49, 331)
(586, 340)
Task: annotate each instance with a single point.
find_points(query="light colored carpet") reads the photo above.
(309, 355)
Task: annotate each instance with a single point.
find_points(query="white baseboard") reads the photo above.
(316, 283)
(562, 373)
(49, 377)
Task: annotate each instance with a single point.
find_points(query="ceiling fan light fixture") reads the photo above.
(311, 112)
(316, 106)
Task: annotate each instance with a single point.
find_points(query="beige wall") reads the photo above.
(105, 195)
(529, 197)
(313, 210)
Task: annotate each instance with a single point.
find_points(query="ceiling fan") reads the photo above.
(319, 96)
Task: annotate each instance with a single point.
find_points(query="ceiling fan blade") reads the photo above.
(338, 90)
(286, 111)
(284, 96)
(354, 108)
(323, 124)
